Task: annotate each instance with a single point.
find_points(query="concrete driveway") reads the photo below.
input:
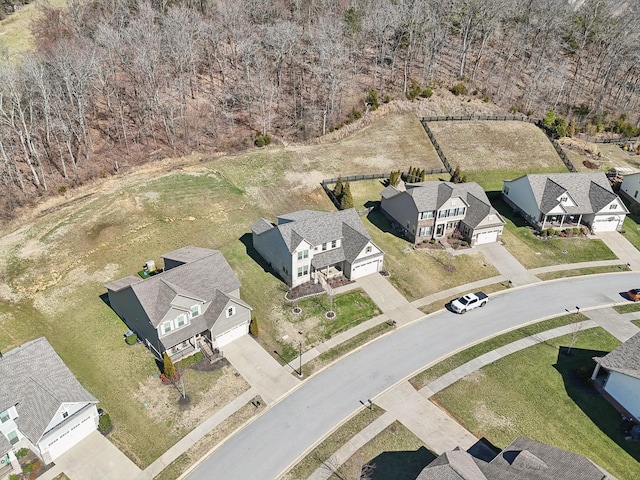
(94, 458)
(622, 248)
(507, 264)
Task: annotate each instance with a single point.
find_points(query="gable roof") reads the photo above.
(522, 459)
(317, 227)
(591, 191)
(36, 379)
(206, 272)
(624, 359)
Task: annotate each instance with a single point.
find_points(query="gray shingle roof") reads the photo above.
(523, 459)
(36, 379)
(624, 359)
(261, 225)
(591, 191)
(323, 227)
(325, 259)
(199, 278)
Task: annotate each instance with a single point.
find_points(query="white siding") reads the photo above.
(625, 390)
(363, 254)
(58, 441)
(520, 194)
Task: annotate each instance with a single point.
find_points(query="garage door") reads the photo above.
(487, 237)
(605, 224)
(230, 335)
(362, 269)
(70, 437)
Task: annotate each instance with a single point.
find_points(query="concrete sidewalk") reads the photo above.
(619, 326)
(259, 369)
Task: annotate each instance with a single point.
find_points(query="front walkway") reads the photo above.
(389, 300)
(259, 369)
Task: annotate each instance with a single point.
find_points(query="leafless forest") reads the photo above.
(114, 82)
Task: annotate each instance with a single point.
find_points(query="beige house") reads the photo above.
(435, 210)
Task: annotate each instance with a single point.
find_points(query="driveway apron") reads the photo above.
(622, 248)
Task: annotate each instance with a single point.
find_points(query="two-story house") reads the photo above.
(561, 200)
(43, 407)
(193, 305)
(435, 210)
(307, 244)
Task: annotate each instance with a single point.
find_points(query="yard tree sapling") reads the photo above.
(169, 369)
(253, 327)
(346, 201)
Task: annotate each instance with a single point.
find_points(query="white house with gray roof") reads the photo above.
(307, 245)
(621, 384)
(522, 459)
(435, 210)
(43, 407)
(560, 200)
(193, 305)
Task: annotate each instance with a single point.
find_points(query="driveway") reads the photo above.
(388, 299)
(508, 266)
(94, 458)
(259, 368)
(622, 248)
(290, 428)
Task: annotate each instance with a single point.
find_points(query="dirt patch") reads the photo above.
(487, 418)
(208, 390)
(474, 377)
(304, 181)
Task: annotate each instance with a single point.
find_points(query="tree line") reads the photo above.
(111, 82)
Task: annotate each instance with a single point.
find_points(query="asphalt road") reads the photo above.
(273, 441)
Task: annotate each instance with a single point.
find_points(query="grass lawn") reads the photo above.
(427, 376)
(351, 308)
(545, 394)
(489, 152)
(533, 252)
(627, 308)
(636, 323)
(577, 272)
(325, 449)
(631, 229)
(395, 453)
(440, 304)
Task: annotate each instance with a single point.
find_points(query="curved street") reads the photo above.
(271, 443)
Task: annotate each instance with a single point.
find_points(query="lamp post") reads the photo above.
(300, 356)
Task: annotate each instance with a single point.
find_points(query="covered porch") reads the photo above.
(560, 221)
(328, 265)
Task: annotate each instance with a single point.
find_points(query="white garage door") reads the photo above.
(487, 237)
(606, 224)
(362, 269)
(230, 335)
(72, 436)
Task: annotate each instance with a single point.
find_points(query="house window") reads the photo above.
(424, 231)
(460, 211)
(425, 215)
(12, 436)
(285, 270)
(231, 311)
(635, 195)
(449, 225)
(442, 213)
(195, 310)
(181, 321)
(4, 416)
(65, 414)
(303, 254)
(368, 249)
(613, 207)
(166, 327)
(304, 270)
(564, 199)
(324, 247)
(334, 243)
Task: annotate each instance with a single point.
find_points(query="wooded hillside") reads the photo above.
(113, 82)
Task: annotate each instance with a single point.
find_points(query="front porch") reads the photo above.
(559, 222)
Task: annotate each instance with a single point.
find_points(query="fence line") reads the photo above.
(612, 140)
(435, 144)
(500, 118)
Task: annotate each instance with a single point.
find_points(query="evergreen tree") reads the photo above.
(169, 368)
(347, 200)
(423, 175)
(338, 189)
(253, 327)
(457, 176)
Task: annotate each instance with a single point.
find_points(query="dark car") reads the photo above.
(634, 294)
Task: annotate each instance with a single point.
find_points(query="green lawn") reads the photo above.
(627, 308)
(395, 453)
(492, 180)
(533, 252)
(577, 272)
(545, 394)
(454, 361)
(631, 229)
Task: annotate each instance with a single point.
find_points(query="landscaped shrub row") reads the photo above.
(567, 232)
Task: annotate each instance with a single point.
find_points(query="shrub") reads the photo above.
(253, 327)
(354, 115)
(459, 89)
(372, 99)
(386, 98)
(104, 423)
(13, 476)
(62, 189)
(262, 140)
(131, 339)
(22, 452)
(590, 164)
(32, 467)
(426, 92)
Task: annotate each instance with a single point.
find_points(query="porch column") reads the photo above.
(594, 375)
(544, 219)
(561, 221)
(580, 220)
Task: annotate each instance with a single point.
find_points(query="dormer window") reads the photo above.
(4, 416)
(166, 327)
(195, 310)
(181, 320)
(231, 311)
